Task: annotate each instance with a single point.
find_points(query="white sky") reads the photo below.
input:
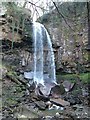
(47, 0)
(42, 3)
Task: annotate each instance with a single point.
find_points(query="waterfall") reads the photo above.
(38, 53)
(44, 64)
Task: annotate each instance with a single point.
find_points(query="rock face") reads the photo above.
(67, 43)
(66, 52)
(56, 41)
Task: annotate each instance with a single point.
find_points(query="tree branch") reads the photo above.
(37, 6)
(88, 16)
(60, 14)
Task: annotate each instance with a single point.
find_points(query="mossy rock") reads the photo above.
(84, 77)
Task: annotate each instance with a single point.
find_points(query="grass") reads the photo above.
(84, 77)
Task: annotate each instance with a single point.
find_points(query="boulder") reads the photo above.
(41, 105)
(57, 91)
(68, 85)
(60, 102)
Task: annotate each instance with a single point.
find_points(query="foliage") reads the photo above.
(85, 77)
(16, 16)
(44, 18)
(69, 8)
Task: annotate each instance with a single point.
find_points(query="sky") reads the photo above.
(48, 0)
(36, 11)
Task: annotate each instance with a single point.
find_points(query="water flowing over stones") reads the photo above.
(43, 56)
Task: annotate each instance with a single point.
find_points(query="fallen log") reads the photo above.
(13, 77)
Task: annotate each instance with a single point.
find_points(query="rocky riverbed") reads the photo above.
(21, 100)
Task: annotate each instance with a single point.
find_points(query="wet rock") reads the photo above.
(3, 71)
(31, 82)
(49, 104)
(23, 62)
(57, 114)
(2, 21)
(47, 117)
(81, 111)
(45, 90)
(37, 91)
(57, 90)
(85, 92)
(32, 87)
(56, 107)
(73, 99)
(40, 95)
(19, 71)
(68, 85)
(59, 102)
(41, 105)
(28, 75)
(80, 107)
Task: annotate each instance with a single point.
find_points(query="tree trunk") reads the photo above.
(88, 15)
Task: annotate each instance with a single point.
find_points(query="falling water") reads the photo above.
(38, 53)
(43, 65)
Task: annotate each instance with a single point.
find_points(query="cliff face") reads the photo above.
(68, 47)
(68, 34)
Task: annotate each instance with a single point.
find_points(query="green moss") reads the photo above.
(12, 73)
(70, 77)
(11, 101)
(84, 77)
